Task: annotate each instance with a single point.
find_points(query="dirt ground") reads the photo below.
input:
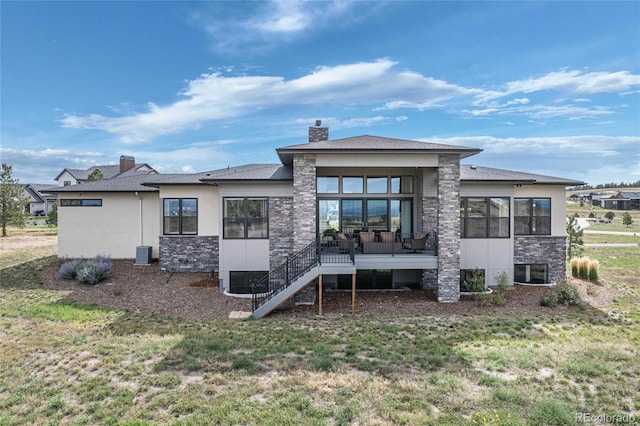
(16, 243)
(147, 289)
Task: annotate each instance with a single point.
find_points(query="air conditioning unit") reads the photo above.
(143, 255)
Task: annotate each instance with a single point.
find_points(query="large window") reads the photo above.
(531, 273)
(240, 281)
(362, 184)
(246, 218)
(532, 216)
(350, 215)
(180, 216)
(484, 217)
(96, 202)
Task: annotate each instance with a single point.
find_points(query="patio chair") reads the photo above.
(415, 243)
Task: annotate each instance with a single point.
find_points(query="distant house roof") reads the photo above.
(627, 195)
(108, 171)
(37, 191)
(367, 143)
(471, 173)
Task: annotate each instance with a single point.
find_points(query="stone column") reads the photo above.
(280, 235)
(304, 214)
(448, 228)
(304, 200)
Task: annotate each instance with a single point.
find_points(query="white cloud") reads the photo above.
(378, 85)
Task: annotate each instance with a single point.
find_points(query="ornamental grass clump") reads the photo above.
(593, 267)
(88, 271)
(585, 268)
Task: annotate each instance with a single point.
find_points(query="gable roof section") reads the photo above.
(36, 191)
(368, 143)
(627, 195)
(108, 171)
(471, 173)
(250, 172)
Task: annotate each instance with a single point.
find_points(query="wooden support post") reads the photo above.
(353, 294)
(320, 294)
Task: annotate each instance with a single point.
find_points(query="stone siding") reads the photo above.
(543, 249)
(448, 228)
(429, 222)
(280, 230)
(304, 201)
(189, 253)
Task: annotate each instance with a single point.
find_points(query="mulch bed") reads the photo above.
(147, 289)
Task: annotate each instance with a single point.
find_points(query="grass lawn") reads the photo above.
(67, 363)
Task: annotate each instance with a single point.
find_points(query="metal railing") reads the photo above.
(284, 275)
(336, 245)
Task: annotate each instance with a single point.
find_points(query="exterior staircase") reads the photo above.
(298, 271)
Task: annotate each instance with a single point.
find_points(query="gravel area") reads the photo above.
(147, 289)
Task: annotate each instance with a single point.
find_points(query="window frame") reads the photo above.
(488, 218)
(180, 217)
(81, 202)
(531, 266)
(532, 224)
(245, 219)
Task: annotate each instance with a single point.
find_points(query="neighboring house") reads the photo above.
(127, 167)
(377, 212)
(623, 200)
(40, 203)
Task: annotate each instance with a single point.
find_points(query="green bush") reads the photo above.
(549, 300)
(567, 294)
(609, 215)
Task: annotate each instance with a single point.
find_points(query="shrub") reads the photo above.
(592, 215)
(90, 271)
(567, 294)
(549, 300)
(593, 267)
(69, 270)
(609, 215)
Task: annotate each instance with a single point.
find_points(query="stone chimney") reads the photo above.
(318, 133)
(126, 162)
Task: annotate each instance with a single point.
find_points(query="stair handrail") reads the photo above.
(284, 275)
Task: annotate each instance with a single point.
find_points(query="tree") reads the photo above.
(626, 219)
(12, 200)
(96, 174)
(610, 215)
(52, 217)
(575, 237)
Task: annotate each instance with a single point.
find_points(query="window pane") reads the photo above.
(352, 185)
(377, 215)
(541, 207)
(171, 207)
(402, 185)
(352, 215)
(234, 207)
(522, 225)
(541, 226)
(328, 215)
(234, 228)
(476, 218)
(257, 207)
(92, 203)
(327, 185)
(171, 225)
(377, 185)
(499, 221)
(395, 215)
(190, 224)
(522, 207)
(258, 227)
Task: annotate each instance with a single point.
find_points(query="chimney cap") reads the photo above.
(318, 123)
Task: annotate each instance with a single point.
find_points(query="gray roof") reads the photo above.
(628, 195)
(367, 143)
(108, 171)
(471, 173)
(253, 172)
(131, 183)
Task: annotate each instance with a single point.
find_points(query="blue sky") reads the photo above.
(541, 87)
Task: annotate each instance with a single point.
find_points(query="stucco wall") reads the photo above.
(208, 205)
(113, 229)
